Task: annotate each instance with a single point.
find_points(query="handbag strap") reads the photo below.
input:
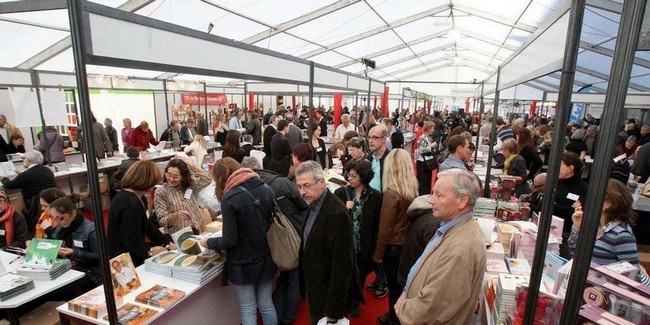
(257, 201)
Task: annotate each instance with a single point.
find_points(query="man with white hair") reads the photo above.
(343, 128)
(32, 180)
(443, 285)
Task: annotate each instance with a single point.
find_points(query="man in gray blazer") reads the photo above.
(294, 136)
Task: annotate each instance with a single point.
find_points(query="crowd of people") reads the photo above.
(405, 216)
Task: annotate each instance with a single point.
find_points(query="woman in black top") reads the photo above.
(16, 144)
(577, 143)
(515, 165)
(528, 152)
(319, 148)
(570, 188)
(128, 224)
(233, 148)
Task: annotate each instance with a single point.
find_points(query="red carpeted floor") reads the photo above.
(369, 312)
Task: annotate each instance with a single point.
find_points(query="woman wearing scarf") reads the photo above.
(515, 165)
(13, 228)
(79, 245)
(46, 222)
(249, 265)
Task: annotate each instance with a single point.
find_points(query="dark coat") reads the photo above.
(254, 128)
(247, 149)
(288, 197)
(186, 137)
(397, 139)
(321, 155)
(128, 226)
(53, 151)
(294, 135)
(244, 234)
(280, 155)
(422, 227)
(20, 231)
(269, 132)
(369, 222)
(323, 127)
(86, 258)
(31, 182)
(328, 262)
(518, 168)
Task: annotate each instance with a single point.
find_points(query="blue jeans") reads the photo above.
(287, 296)
(254, 296)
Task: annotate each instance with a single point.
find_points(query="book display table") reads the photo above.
(207, 303)
(11, 262)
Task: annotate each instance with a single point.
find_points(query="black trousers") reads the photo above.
(424, 178)
(391, 265)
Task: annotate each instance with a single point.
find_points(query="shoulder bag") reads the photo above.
(282, 237)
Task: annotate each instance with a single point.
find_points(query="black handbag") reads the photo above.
(430, 161)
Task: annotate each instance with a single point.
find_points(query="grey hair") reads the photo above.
(382, 127)
(312, 167)
(251, 162)
(463, 182)
(248, 138)
(345, 117)
(289, 117)
(579, 134)
(34, 156)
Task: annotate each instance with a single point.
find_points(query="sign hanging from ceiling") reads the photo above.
(199, 99)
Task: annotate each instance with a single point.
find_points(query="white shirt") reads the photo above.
(341, 130)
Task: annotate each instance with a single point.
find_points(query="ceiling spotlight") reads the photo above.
(454, 34)
(369, 63)
(210, 27)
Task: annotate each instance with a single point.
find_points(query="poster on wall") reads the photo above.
(199, 99)
(53, 102)
(25, 107)
(576, 112)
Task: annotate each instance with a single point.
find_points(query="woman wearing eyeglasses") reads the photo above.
(364, 206)
(175, 203)
(79, 244)
(46, 221)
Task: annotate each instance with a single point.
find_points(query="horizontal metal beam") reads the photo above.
(34, 24)
(580, 83)
(414, 56)
(31, 5)
(607, 52)
(295, 22)
(528, 84)
(482, 52)
(64, 44)
(606, 5)
(416, 66)
(494, 18)
(419, 73)
(397, 47)
(486, 39)
(375, 31)
(605, 77)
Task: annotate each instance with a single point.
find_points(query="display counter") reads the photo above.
(202, 304)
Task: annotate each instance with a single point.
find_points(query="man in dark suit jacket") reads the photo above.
(269, 132)
(327, 248)
(188, 132)
(322, 122)
(254, 128)
(281, 150)
(35, 178)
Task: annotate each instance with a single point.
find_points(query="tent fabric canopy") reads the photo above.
(451, 40)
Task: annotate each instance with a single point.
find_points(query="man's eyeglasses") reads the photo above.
(307, 186)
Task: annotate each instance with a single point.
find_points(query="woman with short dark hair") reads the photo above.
(364, 204)
(233, 148)
(128, 223)
(175, 205)
(249, 265)
(570, 188)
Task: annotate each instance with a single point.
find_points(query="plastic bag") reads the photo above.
(207, 200)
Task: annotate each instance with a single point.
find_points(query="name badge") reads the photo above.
(319, 149)
(2, 232)
(572, 197)
(188, 193)
(78, 243)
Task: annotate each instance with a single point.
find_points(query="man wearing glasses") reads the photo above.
(377, 144)
(328, 250)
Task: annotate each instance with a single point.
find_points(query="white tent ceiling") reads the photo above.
(454, 40)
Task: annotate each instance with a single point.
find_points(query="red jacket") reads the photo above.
(141, 139)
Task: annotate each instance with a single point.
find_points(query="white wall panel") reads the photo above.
(115, 38)
(270, 87)
(15, 78)
(358, 84)
(329, 77)
(56, 80)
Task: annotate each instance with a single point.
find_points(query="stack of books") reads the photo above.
(12, 285)
(506, 296)
(59, 267)
(518, 266)
(196, 269)
(496, 266)
(160, 296)
(92, 303)
(131, 314)
(485, 207)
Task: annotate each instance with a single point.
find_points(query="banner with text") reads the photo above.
(199, 99)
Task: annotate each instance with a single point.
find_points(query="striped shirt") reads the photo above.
(172, 199)
(616, 244)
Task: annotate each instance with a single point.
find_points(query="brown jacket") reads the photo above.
(446, 287)
(392, 222)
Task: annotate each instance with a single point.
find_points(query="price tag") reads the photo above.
(78, 243)
(188, 194)
(572, 197)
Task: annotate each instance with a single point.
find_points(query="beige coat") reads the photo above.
(445, 289)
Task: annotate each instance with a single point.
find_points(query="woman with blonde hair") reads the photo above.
(400, 189)
(245, 208)
(198, 148)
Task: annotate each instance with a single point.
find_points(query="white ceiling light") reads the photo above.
(453, 35)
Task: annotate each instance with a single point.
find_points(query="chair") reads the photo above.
(104, 188)
(16, 199)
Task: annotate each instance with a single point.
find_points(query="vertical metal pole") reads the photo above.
(493, 135)
(246, 96)
(35, 84)
(544, 96)
(480, 115)
(166, 100)
(574, 29)
(368, 110)
(75, 15)
(619, 78)
(310, 108)
(205, 93)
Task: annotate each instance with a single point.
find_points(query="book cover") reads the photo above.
(164, 257)
(92, 303)
(11, 282)
(42, 253)
(160, 296)
(552, 264)
(131, 314)
(496, 266)
(124, 276)
(185, 242)
(518, 266)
